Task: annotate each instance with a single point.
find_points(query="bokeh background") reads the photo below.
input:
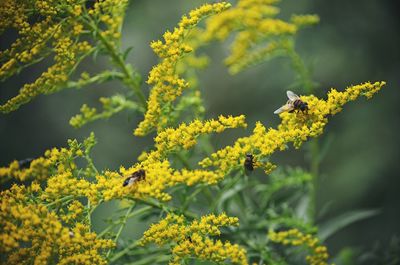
(356, 41)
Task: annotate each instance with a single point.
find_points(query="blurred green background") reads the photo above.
(356, 41)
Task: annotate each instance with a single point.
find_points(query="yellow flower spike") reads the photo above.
(191, 239)
(159, 175)
(60, 30)
(41, 233)
(259, 34)
(294, 128)
(185, 135)
(166, 82)
(318, 253)
(304, 20)
(41, 168)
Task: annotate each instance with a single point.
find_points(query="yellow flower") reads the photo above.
(58, 34)
(53, 161)
(159, 174)
(185, 135)
(192, 239)
(166, 82)
(259, 34)
(32, 233)
(295, 128)
(318, 253)
(75, 210)
(159, 177)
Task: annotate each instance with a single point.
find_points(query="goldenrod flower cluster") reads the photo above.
(111, 14)
(74, 212)
(259, 33)
(66, 183)
(110, 106)
(318, 253)
(295, 128)
(192, 239)
(33, 234)
(185, 135)
(50, 222)
(159, 177)
(58, 167)
(167, 84)
(55, 30)
(159, 174)
(54, 161)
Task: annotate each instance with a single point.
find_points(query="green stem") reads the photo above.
(119, 61)
(232, 183)
(301, 69)
(314, 157)
(134, 214)
(208, 194)
(140, 211)
(308, 86)
(189, 198)
(118, 255)
(314, 168)
(165, 208)
(89, 215)
(156, 258)
(90, 209)
(121, 227)
(183, 160)
(102, 233)
(107, 75)
(64, 199)
(90, 162)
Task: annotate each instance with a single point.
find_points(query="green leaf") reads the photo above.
(331, 226)
(325, 147)
(229, 194)
(126, 53)
(95, 54)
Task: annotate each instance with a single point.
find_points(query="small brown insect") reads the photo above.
(249, 163)
(135, 176)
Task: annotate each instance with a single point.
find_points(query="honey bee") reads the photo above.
(294, 103)
(248, 162)
(135, 176)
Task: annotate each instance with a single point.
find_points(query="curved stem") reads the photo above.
(64, 199)
(314, 168)
(165, 208)
(124, 251)
(309, 87)
(300, 67)
(133, 83)
(121, 227)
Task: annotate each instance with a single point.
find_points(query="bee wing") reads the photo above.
(286, 107)
(292, 96)
(129, 181)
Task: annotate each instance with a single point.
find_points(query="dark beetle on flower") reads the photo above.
(249, 163)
